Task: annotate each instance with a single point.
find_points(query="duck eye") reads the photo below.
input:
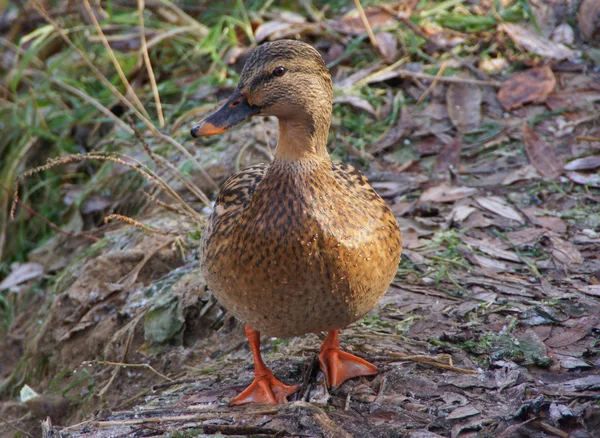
(279, 71)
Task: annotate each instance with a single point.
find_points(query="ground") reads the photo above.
(479, 129)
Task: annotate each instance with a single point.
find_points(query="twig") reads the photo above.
(418, 31)
(451, 79)
(425, 360)
(586, 138)
(365, 22)
(137, 224)
(86, 97)
(114, 423)
(586, 119)
(163, 163)
(146, 56)
(551, 429)
(16, 428)
(134, 398)
(132, 324)
(433, 84)
(134, 365)
(113, 58)
(122, 98)
(50, 223)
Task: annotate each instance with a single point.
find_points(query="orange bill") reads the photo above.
(236, 110)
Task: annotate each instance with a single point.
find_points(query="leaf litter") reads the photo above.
(499, 274)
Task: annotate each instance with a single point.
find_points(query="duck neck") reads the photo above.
(303, 137)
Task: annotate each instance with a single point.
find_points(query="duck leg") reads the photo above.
(339, 366)
(265, 388)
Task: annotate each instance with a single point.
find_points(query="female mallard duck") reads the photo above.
(301, 245)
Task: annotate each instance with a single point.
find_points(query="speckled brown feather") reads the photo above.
(293, 249)
(303, 244)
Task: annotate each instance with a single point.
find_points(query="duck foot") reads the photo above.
(265, 388)
(339, 366)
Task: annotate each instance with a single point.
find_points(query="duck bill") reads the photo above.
(236, 110)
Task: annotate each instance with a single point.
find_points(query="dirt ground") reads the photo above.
(490, 329)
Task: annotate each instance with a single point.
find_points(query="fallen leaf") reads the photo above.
(592, 180)
(572, 334)
(526, 172)
(526, 236)
(589, 18)
(464, 106)
(278, 29)
(536, 43)
(462, 412)
(410, 238)
(491, 249)
(357, 102)
(446, 193)
(564, 251)
(541, 154)
(21, 274)
(388, 189)
(593, 290)
(571, 363)
(394, 135)
(388, 46)
(541, 219)
(563, 34)
(461, 212)
(449, 157)
(499, 206)
(586, 163)
(351, 23)
(581, 384)
(443, 37)
(532, 85)
(488, 263)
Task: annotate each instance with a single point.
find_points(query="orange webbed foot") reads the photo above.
(266, 390)
(339, 366)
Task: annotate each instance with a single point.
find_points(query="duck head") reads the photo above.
(285, 78)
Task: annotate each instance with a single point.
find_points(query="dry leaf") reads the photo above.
(532, 85)
(539, 218)
(21, 274)
(564, 251)
(449, 157)
(536, 43)
(593, 290)
(351, 24)
(394, 135)
(357, 102)
(541, 154)
(388, 46)
(491, 248)
(563, 34)
(592, 180)
(464, 106)
(579, 331)
(526, 172)
(277, 29)
(488, 263)
(589, 18)
(586, 163)
(461, 212)
(446, 193)
(462, 412)
(499, 206)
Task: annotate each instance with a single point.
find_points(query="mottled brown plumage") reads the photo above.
(301, 245)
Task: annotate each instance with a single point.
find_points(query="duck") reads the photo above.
(302, 244)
